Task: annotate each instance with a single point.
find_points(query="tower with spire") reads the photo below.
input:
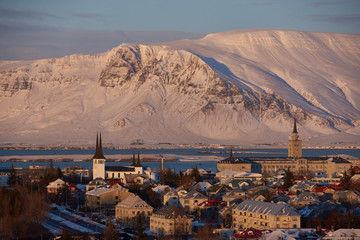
(98, 160)
(294, 144)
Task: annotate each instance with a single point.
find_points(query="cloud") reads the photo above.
(86, 15)
(20, 41)
(7, 13)
(340, 18)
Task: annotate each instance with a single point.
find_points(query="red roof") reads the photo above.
(113, 183)
(213, 202)
(73, 188)
(321, 189)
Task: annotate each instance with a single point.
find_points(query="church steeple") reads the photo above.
(138, 164)
(133, 162)
(294, 144)
(98, 150)
(294, 128)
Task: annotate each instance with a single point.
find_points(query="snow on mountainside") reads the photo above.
(236, 87)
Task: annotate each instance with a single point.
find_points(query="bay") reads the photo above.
(183, 156)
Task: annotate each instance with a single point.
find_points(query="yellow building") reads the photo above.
(170, 220)
(191, 201)
(106, 197)
(258, 214)
(129, 210)
(295, 162)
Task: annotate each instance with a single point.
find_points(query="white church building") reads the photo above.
(112, 172)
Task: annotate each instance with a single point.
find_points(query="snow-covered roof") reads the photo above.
(161, 188)
(133, 202)
(100, 191)
(344, 233)
(193, 194)
(267, 208)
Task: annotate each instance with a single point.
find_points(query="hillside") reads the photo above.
(240, 87)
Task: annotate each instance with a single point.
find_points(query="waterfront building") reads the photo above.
(332, 166)
(258, 214)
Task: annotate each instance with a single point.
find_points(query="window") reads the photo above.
(250, 214)
(277, 219)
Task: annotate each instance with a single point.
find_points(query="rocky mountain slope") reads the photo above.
(241, 87)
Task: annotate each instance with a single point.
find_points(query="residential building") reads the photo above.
(129, 210)
(349, 196)
(191, 201)
(235, 194)
(304, 199)
(106, 197)
(96, 183)
(256, 214)
(54, 186)
(202, 187)
(170, 220)
(173, 197)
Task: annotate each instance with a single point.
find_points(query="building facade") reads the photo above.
(129, 210)
(258, 214)
(170, 220)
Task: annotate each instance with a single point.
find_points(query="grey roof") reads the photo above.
(195, 195)
(175, 192)
(307, 197)
(119, 169)
(234, 160)
(266, 208)
(170, 212)
(133, 202)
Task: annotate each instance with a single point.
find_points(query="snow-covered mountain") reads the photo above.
(239, 87)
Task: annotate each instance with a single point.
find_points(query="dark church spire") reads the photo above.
(138, 164)
(98, 150)
(294, 129)
(133, 162)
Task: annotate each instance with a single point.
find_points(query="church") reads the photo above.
(295, 162)
(112, 172)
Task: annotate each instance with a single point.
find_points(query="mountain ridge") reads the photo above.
(241, 88)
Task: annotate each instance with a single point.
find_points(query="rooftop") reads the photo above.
(266, 208)
(170, 212)
(133, 202)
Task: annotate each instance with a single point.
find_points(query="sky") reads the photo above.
(44, 28)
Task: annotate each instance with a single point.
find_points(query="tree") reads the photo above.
(13, 179)
(264, 178)
(345, 180)
(196, 175)
(267, 197)
(110, 233)
(140, 226)
(288, 180)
